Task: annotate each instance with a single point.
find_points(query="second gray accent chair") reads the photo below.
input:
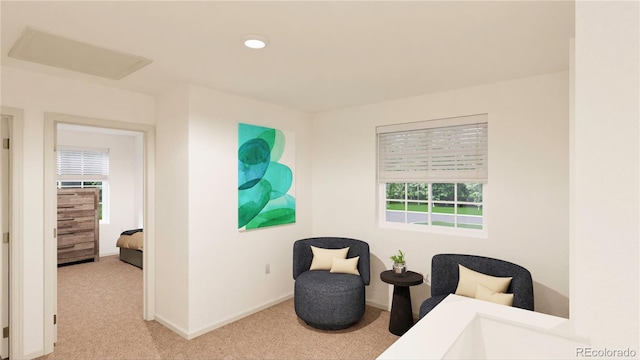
(445, 275)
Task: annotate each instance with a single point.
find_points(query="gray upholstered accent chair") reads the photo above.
(326, 300)
(444, 278)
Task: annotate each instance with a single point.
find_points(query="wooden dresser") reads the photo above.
(78, 229)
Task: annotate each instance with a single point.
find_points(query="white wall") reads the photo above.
(125, 168)
(227, 267)
(37, 94)
(172, 210)
(605, 174)
(527, 200)
(138, 182)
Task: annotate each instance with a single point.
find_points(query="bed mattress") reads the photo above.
(133, 241)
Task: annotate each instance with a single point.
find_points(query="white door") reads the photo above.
(4, 249)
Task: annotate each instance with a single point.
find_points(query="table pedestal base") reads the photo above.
(401, 314)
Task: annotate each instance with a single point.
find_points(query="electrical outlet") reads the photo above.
(267, 269)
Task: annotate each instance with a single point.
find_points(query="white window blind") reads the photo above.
(83, 164)
(447, 150)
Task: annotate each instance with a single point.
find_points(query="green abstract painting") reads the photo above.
(266, 191)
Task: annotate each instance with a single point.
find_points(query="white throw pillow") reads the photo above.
(323, 258)
(469, 280)
(486, 294)
(345, 266)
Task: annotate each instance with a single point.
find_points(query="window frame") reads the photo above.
(417, 175)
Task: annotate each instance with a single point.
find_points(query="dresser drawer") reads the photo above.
(65, 240)
(77, 198)
(72, 213)
(75, 252)
(78, 224)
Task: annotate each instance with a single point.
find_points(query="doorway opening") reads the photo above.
(125, 197)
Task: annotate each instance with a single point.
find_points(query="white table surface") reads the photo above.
(433, 335)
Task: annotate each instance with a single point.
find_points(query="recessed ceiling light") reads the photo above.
(255, 41)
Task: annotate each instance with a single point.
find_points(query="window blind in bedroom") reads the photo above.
(82, 164)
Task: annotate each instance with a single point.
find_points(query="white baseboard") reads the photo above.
(387, 308)
(173, 327)
(374, 304)
(231, 319)
(33, 354)
(192, 335)
(109, 254)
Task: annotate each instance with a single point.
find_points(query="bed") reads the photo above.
(130, 244)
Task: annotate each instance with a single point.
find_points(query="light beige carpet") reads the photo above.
(100, 317)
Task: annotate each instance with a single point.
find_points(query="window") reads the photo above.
(84, 168)
(433, 174)
(457, 205)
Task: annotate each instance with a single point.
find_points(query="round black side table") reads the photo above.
(401, 315)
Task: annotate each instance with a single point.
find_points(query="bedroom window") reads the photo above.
(85, 168)
(432, 175)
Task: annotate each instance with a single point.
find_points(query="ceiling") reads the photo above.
(322, 55)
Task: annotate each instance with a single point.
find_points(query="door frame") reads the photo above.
(50, 249)
(16, 273)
